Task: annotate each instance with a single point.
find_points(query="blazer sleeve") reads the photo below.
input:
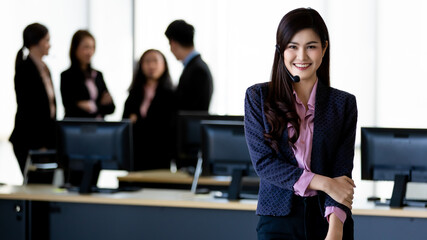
(270, 166)
(70, 93)
(203, 88)
(33, 113)
(27, 104)
(102, 88)
(24, 93)
(343, 164)
(130, 105)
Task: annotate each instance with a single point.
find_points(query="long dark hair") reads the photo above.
(75, 42)
(280, 102)
(139, 78)
(32, 35)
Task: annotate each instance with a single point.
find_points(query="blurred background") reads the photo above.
(377, 54)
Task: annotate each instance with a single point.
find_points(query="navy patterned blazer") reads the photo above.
(332, 149)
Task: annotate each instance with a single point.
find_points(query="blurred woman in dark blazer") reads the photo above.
(151, 107)
(35, 97)
(84, 92)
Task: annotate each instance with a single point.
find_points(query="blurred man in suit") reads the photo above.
(195, 86)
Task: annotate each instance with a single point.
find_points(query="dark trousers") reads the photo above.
(21, 153)
(305, 222)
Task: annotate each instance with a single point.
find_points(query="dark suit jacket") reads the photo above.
(73, 89)
(195, 86)
(332, 148)
(34, 128)
(154, 135)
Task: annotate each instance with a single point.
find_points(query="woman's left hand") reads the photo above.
(133, 117)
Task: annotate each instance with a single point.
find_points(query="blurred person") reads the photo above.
(195, 87)
(151, 107)
(36, 105)
(84, 92)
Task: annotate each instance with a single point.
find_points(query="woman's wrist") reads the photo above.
(320, 183)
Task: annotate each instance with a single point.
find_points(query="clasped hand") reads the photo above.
(341, 189)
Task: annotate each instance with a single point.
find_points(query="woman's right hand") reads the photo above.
(341, 189)
(88, 106)
(106, 98)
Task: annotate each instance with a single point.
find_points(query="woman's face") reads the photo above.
(303, 54)
(85, 50)
(153, 65)
(44, 45)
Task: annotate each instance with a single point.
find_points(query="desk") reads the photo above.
(47, 213)
(163, 178)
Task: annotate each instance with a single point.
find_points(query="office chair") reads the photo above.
(41, 167)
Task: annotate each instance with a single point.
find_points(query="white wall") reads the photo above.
(110, 21)
(401, 96)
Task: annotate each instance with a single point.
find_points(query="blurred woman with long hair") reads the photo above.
(83, 89)
(152, 108)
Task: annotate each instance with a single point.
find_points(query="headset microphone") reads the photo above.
(294, 78)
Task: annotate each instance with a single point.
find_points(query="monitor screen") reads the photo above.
(387, 152)
(394, 154)
(225, 153)
(224, 148)
(189, 135)
(86, 145)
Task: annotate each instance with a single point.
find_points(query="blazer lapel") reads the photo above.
(320, 119)
(286, 149)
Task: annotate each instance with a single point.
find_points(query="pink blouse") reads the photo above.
(47, 82)
(303, 147)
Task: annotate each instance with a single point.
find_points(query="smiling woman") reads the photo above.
(304, 162)
(303, 55)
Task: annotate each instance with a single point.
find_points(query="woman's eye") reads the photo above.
(311, 47)
(292, 46)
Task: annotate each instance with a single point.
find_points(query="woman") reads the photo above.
(35, 97)
(151, 107)
(84, 93)
(300, 135)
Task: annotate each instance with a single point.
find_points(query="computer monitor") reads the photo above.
(394, 154)
(225, 152)
(189, 135)
(86, 146)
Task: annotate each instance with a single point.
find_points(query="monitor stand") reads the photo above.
(90, 176)
(236, 184)
(399, 191)
(398, 196)
(235, 188)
